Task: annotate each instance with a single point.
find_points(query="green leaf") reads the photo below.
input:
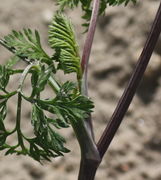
(35, 152)
(69, 3)
(26, 44)
(68, 106)
(118, 2)
(34, 82)
(38, 120)
(46, 137)
(4, 77)
(86, 6)
(40, 79)
(67, 92)
(2, 138)
(3, 113)
(62, 40)
(58, 123)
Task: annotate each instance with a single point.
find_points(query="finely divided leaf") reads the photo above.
(68, 106)
(46, 138)
(62, 40)
(69, 3)
(40, 79)
(118, 2)
(3, 112)
(4, 77)
(26, 44)
(87, 6)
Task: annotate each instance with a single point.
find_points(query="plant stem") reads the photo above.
(85, 57)
(23, 76)
(131, 88)
(18, 122)
(13, 50)
(54, 84)
(88, 169)
(88, 45)
(90, 158)
(8, 95)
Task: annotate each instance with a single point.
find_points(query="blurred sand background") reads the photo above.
(135, 153)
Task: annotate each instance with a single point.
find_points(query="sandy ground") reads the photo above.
(135, 153)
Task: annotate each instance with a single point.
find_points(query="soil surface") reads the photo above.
(135, 153)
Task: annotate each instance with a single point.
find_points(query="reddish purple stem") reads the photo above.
(130, 90)
(88, 44)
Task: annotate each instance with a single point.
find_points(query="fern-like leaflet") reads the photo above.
(27, 45)
(68, 106)
(87, 6)
(63, 41)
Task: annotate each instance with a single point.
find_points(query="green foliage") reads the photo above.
(69, 3)
(27, 45)
(39, 79)
(87, 6)
(62, 40)
(67, 107)
(3, 112)
(46, 138)
(4, 77)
